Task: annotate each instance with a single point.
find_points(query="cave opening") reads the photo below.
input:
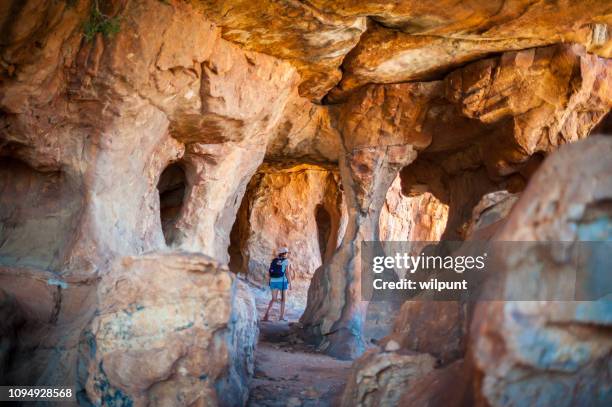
(413, 210)
(412, 214)
(299, 207)
(172, 189)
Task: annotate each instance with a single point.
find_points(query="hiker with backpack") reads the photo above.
(280, 280)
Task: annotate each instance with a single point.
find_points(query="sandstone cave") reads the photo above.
(154, 155)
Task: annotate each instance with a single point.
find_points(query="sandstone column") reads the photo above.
(374, 151)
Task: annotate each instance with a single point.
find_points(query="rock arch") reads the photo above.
(298, 206)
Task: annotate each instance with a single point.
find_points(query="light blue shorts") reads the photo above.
(279, 283)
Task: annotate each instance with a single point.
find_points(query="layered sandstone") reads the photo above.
(129, 154)
(415, 41)
(351, 44)
(88, 128)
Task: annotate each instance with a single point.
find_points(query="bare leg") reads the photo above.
(282, 315)
(274, 295)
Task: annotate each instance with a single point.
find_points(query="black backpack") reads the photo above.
(276, 268)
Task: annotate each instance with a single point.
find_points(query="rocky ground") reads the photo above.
(289, 372)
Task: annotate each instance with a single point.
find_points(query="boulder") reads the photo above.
(380, 378)
(552, 352)
(445, 386)
(167, 327)
(489, 214)
(438, 328)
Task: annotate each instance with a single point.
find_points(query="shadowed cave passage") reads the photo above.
(300, 207)
(172, 190)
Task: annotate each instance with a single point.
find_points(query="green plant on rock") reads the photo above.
(100, 23)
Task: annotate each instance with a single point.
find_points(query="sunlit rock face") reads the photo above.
(440, 328)
(418, 218)
(405, 218)
(490, 214)
(301, 208)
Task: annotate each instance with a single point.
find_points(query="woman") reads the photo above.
(280, 281)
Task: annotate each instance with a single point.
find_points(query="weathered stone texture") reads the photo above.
(140, 146)
(404, 218)
(379, 379)
(551, 352)
(168, 327)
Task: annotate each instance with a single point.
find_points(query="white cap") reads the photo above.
(283, 250)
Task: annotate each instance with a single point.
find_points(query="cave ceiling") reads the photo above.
(338, 46)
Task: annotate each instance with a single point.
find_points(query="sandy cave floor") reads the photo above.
(289, 372)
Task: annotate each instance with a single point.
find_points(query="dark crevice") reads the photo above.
(604, 126)
(323, 220)
(171, 187)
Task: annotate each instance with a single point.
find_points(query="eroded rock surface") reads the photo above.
(374, 152)
(404, 218)
(549, 96)
(553, 350)
(415, 41)
(145, 140)
(169, 327)
(43, 315)
(380, 378)
(515, 352)
(489, 214)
